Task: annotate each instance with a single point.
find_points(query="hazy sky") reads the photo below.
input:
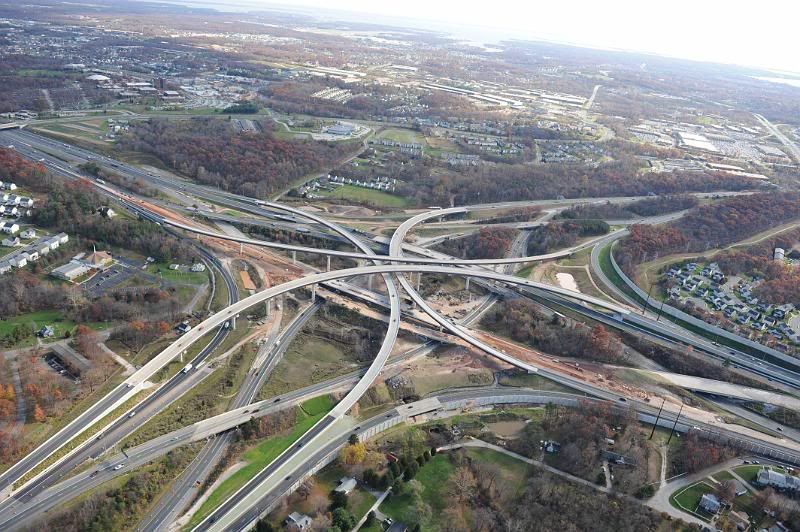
(756, 33)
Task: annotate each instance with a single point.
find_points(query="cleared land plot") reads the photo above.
(368, 196)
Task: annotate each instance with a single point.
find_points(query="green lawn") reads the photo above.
(176, 276)
(257, 458)
(433, 476)
(44, 317)
(512, 472)
(359, 500)
(402, 135)
(368, 196)
(317, 405)
(722, 476)
(748, 472)
(537, 382)
(687, 499)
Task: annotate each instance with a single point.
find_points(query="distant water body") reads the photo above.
(475, 35)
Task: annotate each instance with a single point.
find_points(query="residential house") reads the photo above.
(19, 261)
(774, 479)
(710, 503)
(198, 267)
(5, 267)
(9, 228)
(346, 485)
(28, 233)
(298, 521)
(11, 241)
(46, 332)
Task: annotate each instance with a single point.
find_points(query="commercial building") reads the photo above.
(70, 271)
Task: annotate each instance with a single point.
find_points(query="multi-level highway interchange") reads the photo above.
(50, 475)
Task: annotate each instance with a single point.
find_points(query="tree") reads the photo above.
(353, 439)
(264, 526)
(463, 484)
(370, 519)
(353, 453)
(338, 500)
(343, 519)
(411, 471)
(38, 414)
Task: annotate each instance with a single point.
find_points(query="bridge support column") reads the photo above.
(329, 263)
(241, 248)
(313, 293)
(233, 323)
(466, 283)
(369, 282)
(419, 280)
(294, 257)
(266, 308)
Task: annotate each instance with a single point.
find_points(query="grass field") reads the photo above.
(369, 197)
(176, 276)
(257, 458)
(402, 135)
(513, 472)
(433, 476)
(537, 382)
(687, 499)
(41, 318)
(308, 360)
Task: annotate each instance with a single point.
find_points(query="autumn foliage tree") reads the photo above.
(38, 414)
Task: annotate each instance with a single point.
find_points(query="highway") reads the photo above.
(168, 508)
(154, 403)
(239, 510)
(278, 481)
(790, 146)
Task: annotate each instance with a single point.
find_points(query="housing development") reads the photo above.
(274, 269)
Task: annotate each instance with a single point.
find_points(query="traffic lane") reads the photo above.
(253, 483)
(124, 426)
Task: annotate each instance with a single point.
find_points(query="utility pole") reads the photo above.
(672, 431)
(644, 309)
(660, 311)
(663, 399)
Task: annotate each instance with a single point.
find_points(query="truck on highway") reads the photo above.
(187, 368)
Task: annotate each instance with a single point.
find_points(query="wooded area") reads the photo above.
(707, 227)
(214, 153)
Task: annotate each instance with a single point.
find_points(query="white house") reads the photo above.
(298, 520)
(13, 199)
(19, 261)
(28, 233)
(25, 201)
(5, 267)
(198, 267)
(8, 185)
(10, 210)
(9, 228)
(10, 242)
(346, 485)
